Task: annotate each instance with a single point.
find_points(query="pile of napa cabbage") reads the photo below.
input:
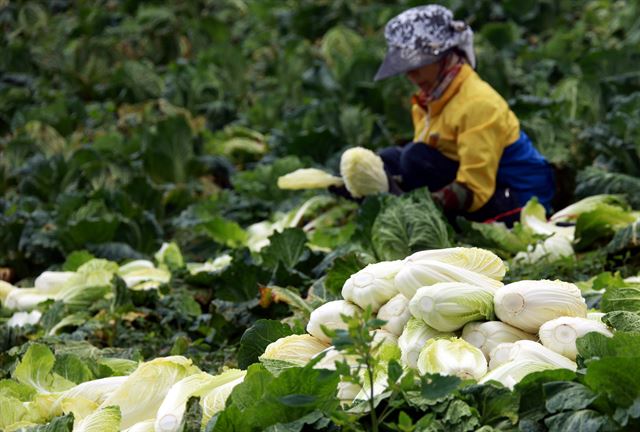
(446, 311)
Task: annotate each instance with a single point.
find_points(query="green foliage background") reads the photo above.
(117, 117)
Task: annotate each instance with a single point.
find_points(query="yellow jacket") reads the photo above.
(472, 124)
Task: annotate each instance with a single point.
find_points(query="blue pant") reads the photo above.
(522, 173)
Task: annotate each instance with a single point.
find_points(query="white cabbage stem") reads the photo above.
(329, 315)
(561, 334)
(488, 335)
(396, 314)
(372, 286)
(449, 306)
(529, 304)
(528, 350)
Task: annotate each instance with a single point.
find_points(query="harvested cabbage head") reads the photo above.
(330, 316)
(20, 319)
(210, 266)
(560, 334)
(170, 413)
(595, 316)
(528, 350)
(510, 373)
(419, 273)
(95, 391)
(5, 289)
(572, 212)
(449, 306)
(142, 275)
(413, 338)
(488, 335)
(50, 281)
(347, 391)
(143, 426)
(169, 256)
(363, 172)
(533, 216)
(141, 395)
(473, 259)
(214, 401)
(24, 298)
(452, 356)
(396, 314)
(529, 304)
(308, 178)
(331, 356)
(105, 419)
(385, 347)
(551, 249)
(291, 351)
(373, 285)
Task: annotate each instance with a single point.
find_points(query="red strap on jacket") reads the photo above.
(503, 215)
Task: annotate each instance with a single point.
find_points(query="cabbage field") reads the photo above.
(161, 271)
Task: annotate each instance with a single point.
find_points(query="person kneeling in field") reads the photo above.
(468, 147)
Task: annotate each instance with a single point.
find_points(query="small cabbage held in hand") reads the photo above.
(452, 356)
(363, 172)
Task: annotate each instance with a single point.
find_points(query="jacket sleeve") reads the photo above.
(481, 137)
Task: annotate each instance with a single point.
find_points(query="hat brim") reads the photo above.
(394, 64)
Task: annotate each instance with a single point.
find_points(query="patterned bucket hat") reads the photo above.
(422, 35)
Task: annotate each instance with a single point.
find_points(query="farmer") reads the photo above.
(468, 147)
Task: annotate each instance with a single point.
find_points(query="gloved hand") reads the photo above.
(342, 191)
(454, 197)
